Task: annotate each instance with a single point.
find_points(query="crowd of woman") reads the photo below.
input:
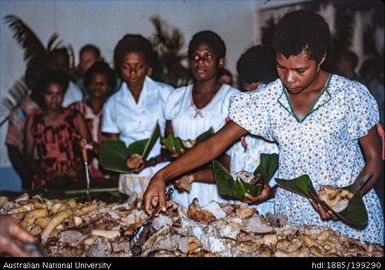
(320, 123)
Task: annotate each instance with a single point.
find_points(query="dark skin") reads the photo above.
(17, 161)
(13, 238)
(303, 80)
(98, 89)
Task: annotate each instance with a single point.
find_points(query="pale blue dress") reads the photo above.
(324, 145)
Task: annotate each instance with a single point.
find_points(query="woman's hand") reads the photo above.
(14, 239)
(155, 194)
(324, 214)
(266, 194)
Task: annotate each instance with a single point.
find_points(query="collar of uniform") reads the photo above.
(127, 95)
(323, 98)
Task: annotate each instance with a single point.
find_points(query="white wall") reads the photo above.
(105, 22)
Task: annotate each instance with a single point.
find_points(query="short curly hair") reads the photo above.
(257, 64)
(100, 67)
(300, 31)
(211, 39)
(132, 43)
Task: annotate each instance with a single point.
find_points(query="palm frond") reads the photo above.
(26, 38)
(15, 95)
(53, 42)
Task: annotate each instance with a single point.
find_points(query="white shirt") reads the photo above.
(73, 94)
(188, 122)
(136, 121)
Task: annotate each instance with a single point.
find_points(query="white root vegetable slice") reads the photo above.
(55, 221)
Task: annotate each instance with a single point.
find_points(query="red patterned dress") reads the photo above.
(55, 147)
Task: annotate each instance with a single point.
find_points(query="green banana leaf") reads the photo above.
(63, 188)
(205, 135)
(355, 215)
(267, 167)
(114, 154)
(228, 187)
(172, 142)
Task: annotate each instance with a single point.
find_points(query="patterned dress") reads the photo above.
(55, 146)
(324, 145)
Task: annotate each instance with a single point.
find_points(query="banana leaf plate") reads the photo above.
(114, 154)
(236, 188)
(176, 144)
(355, 215)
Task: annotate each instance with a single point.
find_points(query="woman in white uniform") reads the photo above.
(132, 113)
(195, 108)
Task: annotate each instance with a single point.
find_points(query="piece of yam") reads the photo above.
(42, 222)
(86, 209)
(24, 208)
(31, 216)
(55, 221)
(110, 234)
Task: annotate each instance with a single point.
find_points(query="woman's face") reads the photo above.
(53, 96)
(297, 72)
(204, 63)
(98, 86)
(134, 69)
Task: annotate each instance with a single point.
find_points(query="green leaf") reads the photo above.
(230, 188)
(172, 142)
(151, 141)
(267, 167)
(355, 215)
(114, 154)
(297, 185)
(205, 135)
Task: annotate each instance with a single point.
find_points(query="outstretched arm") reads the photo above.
(197, 156)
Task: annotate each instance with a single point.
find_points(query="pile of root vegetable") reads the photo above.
(98, 229)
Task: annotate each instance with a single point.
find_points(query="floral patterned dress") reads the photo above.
(324, 145)
(55, 146)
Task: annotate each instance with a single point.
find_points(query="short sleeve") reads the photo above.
(363, 111)
(174, 103)
(109, 117)
(251, 112)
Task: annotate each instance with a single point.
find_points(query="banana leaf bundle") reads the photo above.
(178, 146)
(354, 215)
(114, 154)
(236, 187)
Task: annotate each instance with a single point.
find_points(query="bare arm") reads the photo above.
(197, 156)
(371, 147)
(112, 136)
(29, 147)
